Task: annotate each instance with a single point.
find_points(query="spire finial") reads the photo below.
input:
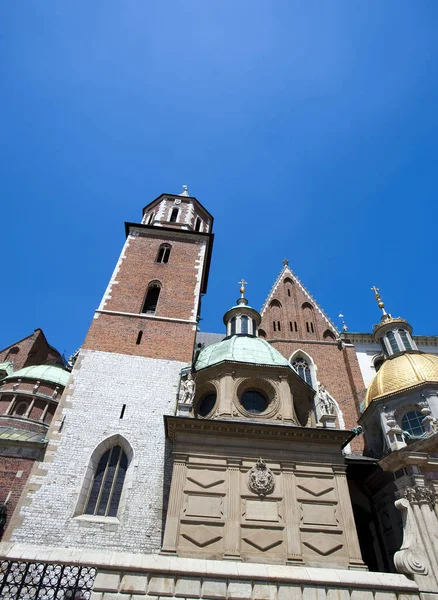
(379, 300)
(242, 284)
(285, 261)
(344, 324)
(185, 191)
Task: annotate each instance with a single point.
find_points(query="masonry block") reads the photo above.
(214, 588)
(239, 590)
(188, 588)
(264, 591)
(107, 581)
(161, 586)
(134, 584)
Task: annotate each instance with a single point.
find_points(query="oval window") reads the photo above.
(254, 402)
(207, 404)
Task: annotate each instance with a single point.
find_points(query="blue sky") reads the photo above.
(308, 129)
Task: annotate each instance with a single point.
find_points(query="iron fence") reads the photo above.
(42, 581)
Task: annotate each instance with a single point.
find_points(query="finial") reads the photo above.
(285, 261)
(344, 324)
(379, 300)
(242, 284)
(185, 191)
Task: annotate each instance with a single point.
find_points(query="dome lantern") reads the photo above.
(242, 319)
(392, 333)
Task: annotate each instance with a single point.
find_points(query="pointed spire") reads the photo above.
(285, 262)
(344, 324)
(185, 191)
(380, 303)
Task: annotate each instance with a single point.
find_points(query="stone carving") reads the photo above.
(420, 494)
(202, 536)
(410, 558)
(328, 407)
(188, 390)
(430, 423)
(323, 544)
(263, 539)
(261, 479)
(316, 487)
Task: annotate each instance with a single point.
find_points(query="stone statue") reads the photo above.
(188, 390)
(328, 407)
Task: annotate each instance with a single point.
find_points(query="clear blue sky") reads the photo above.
(308, 129)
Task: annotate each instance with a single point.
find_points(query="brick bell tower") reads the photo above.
(103, 483)
(152, 302)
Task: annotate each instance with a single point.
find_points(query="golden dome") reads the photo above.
(401, 373)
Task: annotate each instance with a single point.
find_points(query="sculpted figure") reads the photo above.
(327, 405)
(188, 390)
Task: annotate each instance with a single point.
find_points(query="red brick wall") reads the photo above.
(337, 368)
(32, 350)
(170, 340)
(9, 482)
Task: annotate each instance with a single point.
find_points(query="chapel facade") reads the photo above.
(279, 459)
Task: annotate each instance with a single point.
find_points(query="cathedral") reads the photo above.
(279, 459)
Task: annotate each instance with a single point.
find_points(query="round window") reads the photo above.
(254, 402)
(207, 404)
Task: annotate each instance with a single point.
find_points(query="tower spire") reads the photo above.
(380, 303)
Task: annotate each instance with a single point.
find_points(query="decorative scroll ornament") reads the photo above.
(410, 559)
(261, 479)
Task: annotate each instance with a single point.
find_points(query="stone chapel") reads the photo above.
(281, 459)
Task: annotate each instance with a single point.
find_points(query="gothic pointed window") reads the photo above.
(174, 215)
(302, 367)
(151, 300)
(163, 253)
(106, 490)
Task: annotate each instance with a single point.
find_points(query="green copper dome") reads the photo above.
(243, 349)
(50, 373)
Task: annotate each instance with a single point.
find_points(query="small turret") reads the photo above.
(242, 319)
(392, 333)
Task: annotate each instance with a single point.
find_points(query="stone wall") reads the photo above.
(90, 412)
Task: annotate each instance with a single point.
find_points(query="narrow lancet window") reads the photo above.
(174, 215)
(163, 254)
(151, 300)
(106, 490)
(243, 324)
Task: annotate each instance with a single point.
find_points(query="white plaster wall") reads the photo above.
(102, 383)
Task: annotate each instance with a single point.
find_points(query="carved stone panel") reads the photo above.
(314, 487)
(204, 479)
(263, 540)
(318, 514)
(201, 539)
(204, 506)
(323, 544)
(256, 510)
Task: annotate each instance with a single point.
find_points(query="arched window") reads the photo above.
(243, 324)
(302, 367)
(391, 338)
(104, 497)
(405, 339)
(262, 333)
(328, 336)
(233, 326)
(412, 422)
(382, 343)
(163, 253)
(20, 409)
(198, 223)
(151, 300)
(174, 215)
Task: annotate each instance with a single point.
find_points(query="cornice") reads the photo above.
(249, 429)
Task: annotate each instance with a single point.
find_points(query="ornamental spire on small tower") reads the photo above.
(242, 299)
(380, 303)
(185, 191)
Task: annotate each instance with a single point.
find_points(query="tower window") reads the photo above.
(296, 326)
(254, 326)
(163, 254)
(279, 325)
(107, 485)
(393, 342)
(275, 326)
(150, 219)
(243, 324)
(405, 339)
(198, 224)
(254, 401)
(378, 363)
(307, 327)
(301, 366)
(233, 326)
(21, 409)
(382, 343)
(412, 422)
(139, 336)
(288, 291)
(174, 215)
(291, 326)
(151, 300)
(312, 328)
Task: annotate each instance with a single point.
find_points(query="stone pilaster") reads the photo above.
(175, 503)
(292, 512)
(232, 530)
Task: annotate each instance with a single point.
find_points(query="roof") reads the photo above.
(20, 435)
(207, 339)
(243, 349)
(401, 373)
(6, 367)
(51, 373)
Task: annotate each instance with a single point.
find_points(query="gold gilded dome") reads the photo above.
(401, 373)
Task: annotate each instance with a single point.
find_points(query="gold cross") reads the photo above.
(375, 289)
(242, 282)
